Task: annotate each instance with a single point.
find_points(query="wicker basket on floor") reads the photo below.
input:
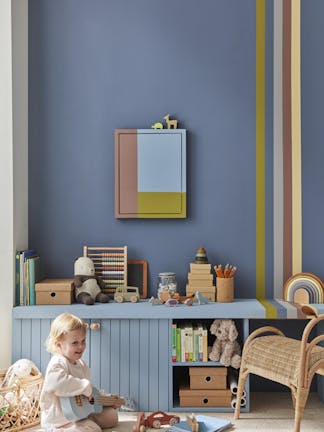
(19, 403)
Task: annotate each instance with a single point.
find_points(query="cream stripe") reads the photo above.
(277, 153)
(291, 310)
(260, 149)
(296, 138)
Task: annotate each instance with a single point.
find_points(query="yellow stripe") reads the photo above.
(260, 148)
(296, 139)
(271, 310)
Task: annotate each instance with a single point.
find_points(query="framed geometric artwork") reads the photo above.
(150, 173)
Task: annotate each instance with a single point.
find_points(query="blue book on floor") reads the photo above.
(206, 424)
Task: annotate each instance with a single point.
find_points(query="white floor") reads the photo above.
(269, 412)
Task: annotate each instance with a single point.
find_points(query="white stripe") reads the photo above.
(292, 312)
(277, 152)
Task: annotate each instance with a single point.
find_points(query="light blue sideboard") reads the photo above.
(130, 354)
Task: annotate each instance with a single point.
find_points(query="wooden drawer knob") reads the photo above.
(95, 326)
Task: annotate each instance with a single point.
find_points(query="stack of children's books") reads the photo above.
(206, 424)
(27, 274)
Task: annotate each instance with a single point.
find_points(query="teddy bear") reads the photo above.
(225, 349)
(88, 286)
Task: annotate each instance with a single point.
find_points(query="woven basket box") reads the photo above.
(54, 292)
(19, 403)
(213, 378)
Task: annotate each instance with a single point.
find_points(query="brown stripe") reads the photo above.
(287, 141)
(126, 172)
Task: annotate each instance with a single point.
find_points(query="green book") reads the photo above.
(33, 277)
(178, 345)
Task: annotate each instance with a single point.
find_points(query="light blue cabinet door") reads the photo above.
(131, 358)
(127, 357)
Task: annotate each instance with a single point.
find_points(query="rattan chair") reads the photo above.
(284, 360)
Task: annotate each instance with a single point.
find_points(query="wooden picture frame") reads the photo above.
(137, 276)
(150, 173)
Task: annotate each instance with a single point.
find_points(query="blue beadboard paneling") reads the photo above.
(35, 345)
(164, 359)
(105, 354)
(95, 349)
(124, 356)
(114, 357)
(144, 363)
(134, 357)
(26, 338)
(153, 370)
(45, 356)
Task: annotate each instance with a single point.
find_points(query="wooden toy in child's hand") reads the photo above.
(79, 407)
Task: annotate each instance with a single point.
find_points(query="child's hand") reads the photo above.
(119, 401)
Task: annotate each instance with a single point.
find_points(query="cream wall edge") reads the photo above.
(13, 154)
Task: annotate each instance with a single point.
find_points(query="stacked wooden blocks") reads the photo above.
(208, 387)
(200, 279)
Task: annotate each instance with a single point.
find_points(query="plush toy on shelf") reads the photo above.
(225, 349)
(88, 286)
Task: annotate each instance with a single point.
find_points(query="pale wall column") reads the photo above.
(13, 155)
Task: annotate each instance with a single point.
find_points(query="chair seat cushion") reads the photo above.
(277, 358)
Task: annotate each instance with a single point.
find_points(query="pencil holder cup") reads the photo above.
(225, 289)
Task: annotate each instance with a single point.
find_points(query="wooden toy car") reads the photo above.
(159, 418)
(140, 423)
(154, 420)
(126, 293)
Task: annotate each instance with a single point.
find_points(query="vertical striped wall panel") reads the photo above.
(284, 107)
(128, 357)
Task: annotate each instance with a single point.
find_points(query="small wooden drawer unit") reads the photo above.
(54, 292)
(209, 378)
(204, 398)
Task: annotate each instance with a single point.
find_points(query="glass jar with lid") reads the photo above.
(167, 282)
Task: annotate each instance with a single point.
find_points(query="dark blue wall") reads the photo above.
(100, 65)
(312, 73)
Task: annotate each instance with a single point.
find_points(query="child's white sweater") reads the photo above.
(62, 378)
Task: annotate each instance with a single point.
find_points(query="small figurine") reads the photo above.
(157, 125)
(193, 423)
(155, 301)
(171, 302)
(201, 256)
(201, 299)
(170, 123)
(189, 301)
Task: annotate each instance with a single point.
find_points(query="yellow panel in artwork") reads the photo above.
(161, 204)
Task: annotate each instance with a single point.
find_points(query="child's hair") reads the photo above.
(63, 324)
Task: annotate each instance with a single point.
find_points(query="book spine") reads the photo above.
(183, 345)
(174, 342)
(31, 269)
(205, 345)
(178, 345)
(17, 279)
